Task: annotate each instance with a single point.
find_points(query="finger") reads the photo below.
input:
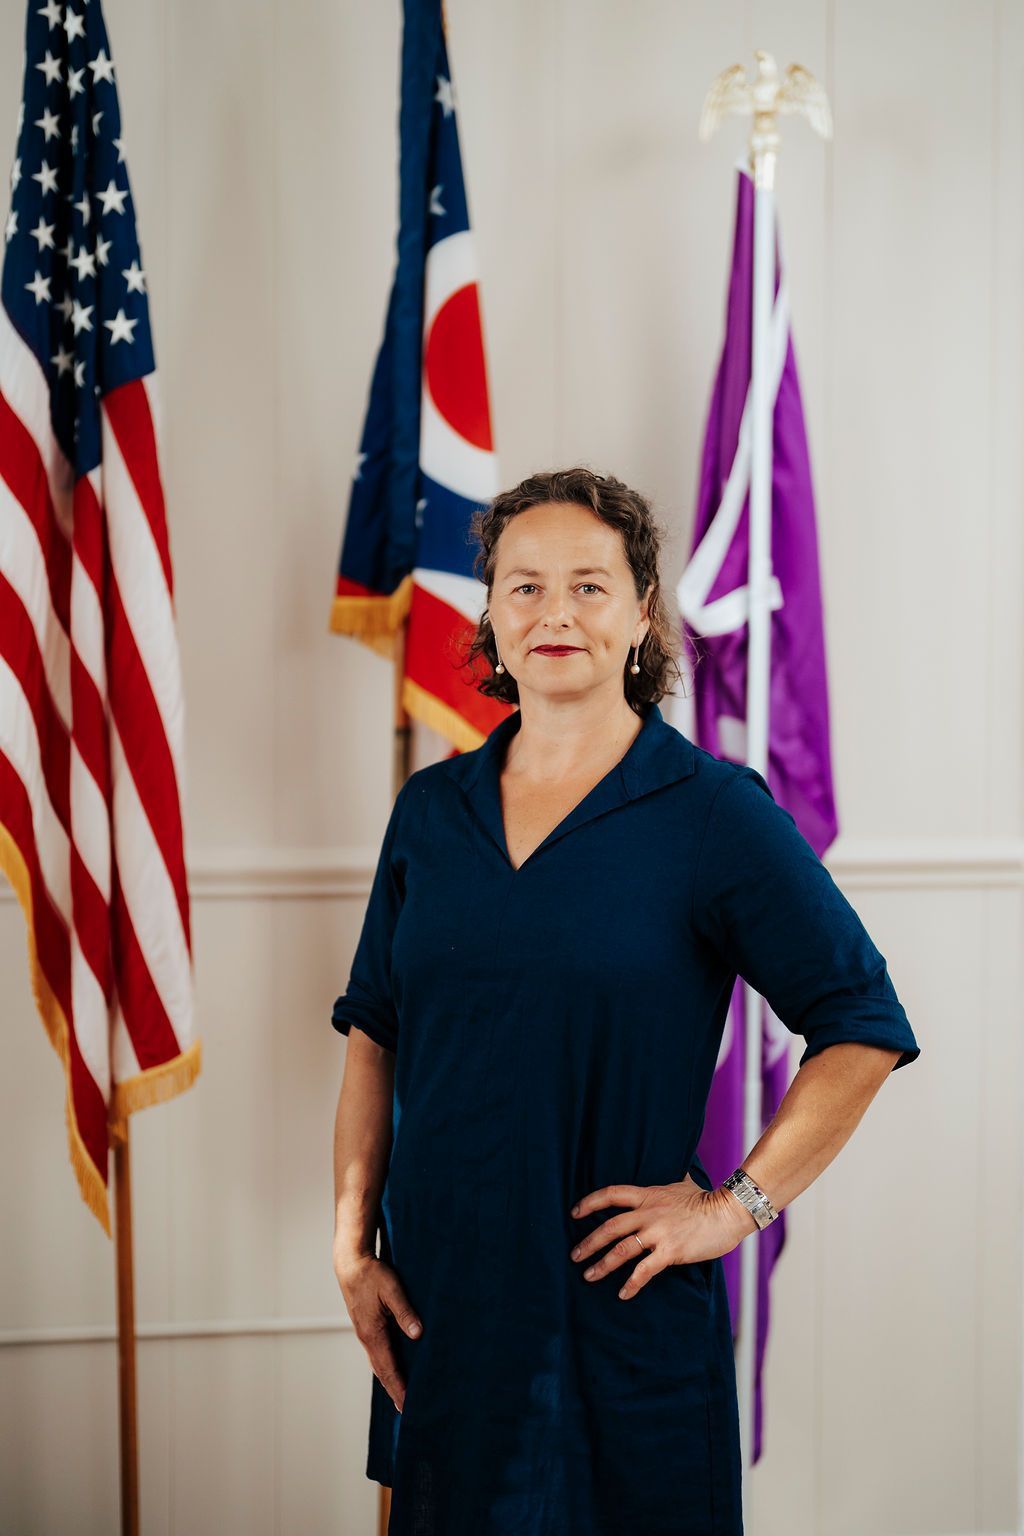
(611, 1194)
(397, 1303)
(608, 1232)
(393, 1299)
(643, 1271)
(619, 1254)
(385, 1366)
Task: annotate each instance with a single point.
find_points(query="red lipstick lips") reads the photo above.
(557, 650)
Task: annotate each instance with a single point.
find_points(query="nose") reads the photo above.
(556, 612)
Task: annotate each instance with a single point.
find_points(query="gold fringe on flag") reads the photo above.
(156, 1085)
(374, 620)
(153, 1086)
(90, 1181)
(440, 717)
(378, 621)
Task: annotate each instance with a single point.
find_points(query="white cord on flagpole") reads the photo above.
(764, 96)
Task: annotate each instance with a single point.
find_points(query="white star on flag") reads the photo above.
(84, 264)
(102, 67)
(40, 287)
(43, 234)
(120, 327)
(112, 197)
(80, 316)
(50, 124)
(50, 68)
(46, 177)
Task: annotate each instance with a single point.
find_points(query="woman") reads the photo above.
(539, 993)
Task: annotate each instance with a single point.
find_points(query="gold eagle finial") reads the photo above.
(765, 97)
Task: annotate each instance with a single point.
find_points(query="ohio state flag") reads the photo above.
(426, 460)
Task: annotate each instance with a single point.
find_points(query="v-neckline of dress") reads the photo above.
(500, 760)
(658, 755)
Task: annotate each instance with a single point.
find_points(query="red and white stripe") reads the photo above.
(92, 753)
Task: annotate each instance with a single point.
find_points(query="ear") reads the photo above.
(644, 611)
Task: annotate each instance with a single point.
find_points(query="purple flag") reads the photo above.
(712, 603)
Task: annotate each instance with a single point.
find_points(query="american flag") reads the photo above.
(91, 712)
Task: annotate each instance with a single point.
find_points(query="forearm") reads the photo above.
(818, 1114)
(362, 1141)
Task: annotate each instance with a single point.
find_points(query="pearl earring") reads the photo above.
(635, 668)
(499, 668)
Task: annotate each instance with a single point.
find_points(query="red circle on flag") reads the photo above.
(453, 366)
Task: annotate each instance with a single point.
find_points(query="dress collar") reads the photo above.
(659, 754)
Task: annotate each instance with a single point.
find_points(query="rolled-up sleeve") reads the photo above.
(771, 909)
(367, 1002)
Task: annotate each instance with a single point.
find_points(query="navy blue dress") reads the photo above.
(555, 1030)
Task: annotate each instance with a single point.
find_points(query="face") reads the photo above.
(561, 579)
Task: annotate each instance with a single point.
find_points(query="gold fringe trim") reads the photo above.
(154, 1086)
(440, 717)
(90, 1180)
(374, 620)
(378, 622)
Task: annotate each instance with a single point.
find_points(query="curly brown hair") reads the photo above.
(620, 507)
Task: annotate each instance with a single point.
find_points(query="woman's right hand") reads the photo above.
(373, 1292)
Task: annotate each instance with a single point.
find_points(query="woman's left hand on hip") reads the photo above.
(678, 1223)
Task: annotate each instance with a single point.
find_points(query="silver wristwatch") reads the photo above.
(752, 1196)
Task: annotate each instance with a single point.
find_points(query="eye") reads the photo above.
(526, 584)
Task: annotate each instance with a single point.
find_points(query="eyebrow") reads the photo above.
(579, 570)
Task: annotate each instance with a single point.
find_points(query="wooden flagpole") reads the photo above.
(126, 1380)
(400, 767)
(401, 764)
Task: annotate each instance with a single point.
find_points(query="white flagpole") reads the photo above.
(764, 97)
(759, 633)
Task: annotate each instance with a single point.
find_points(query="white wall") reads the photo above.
(260, 140)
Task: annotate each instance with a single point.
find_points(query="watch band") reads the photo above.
(752, 1196)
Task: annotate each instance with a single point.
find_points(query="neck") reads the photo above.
(557, 738)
